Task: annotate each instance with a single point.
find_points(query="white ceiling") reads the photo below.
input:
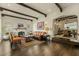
(43, 7)
(65, 5)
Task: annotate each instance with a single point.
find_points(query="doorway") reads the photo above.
(66, 26)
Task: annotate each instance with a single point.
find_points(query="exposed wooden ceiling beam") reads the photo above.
(66, 17)
(1, 9)
(18, 12)
(59, 7)
(16, 17)
(24, 5)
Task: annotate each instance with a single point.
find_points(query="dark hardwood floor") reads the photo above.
(47, 49)
(42, 49)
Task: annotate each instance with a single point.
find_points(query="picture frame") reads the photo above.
(40, 25)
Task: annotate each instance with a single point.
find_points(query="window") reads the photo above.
(72, 26)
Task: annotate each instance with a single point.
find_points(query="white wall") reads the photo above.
(48, 20)
(0, 26)
(9, 24)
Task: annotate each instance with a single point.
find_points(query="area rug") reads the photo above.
(31, 43)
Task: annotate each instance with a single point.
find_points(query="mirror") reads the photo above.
(66, 26)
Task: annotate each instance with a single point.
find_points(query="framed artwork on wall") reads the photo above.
(20, 25)
(40, 25)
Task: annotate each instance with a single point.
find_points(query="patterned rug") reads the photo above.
(31, 43)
